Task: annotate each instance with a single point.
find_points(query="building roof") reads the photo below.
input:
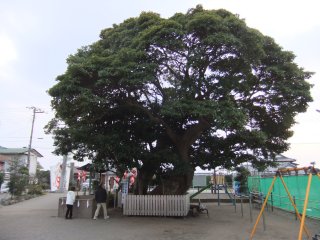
(281, 158)
(17, 151)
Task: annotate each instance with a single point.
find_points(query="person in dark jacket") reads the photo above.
(101, 199)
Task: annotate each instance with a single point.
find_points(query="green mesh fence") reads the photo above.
(297, 187)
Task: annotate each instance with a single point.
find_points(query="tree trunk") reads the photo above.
(179, 183)
(144, 177)
(174, 185)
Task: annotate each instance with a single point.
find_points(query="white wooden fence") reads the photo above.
(156, 205)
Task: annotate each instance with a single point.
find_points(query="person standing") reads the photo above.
(101, 199)
(71, 198)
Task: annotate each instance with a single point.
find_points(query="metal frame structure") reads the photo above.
(308, 170)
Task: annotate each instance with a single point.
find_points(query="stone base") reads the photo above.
(84, 207)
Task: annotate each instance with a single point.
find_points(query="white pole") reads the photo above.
(62, 187)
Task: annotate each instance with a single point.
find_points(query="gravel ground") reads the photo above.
(4, 195)
(36, 219)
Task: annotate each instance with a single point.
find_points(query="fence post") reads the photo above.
(263, 217)
(294, 201)
(241, 206)
(250, 205)
(271, 202)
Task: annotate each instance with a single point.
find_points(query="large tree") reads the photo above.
(167, 95)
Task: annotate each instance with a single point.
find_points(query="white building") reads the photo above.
(281, 161)
(7, 155)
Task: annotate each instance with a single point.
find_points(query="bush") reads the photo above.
(242, 178)
(19, 178)
(45, 186)
(228, 180)
(43, 179)
(35, 189)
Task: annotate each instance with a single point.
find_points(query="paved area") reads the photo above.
(36, 219)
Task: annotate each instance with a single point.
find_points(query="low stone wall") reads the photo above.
(84, 207)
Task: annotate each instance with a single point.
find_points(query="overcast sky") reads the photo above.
(36, 37)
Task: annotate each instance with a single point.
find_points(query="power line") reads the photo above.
(307, 143)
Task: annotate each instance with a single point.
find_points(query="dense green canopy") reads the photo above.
(167, 95)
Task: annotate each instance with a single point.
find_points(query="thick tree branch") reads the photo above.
(172, 135)
(194, 132)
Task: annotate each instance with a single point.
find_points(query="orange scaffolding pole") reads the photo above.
(305, 206)
(294, 205)
(302, 219)
(262, 208)
(284, 170)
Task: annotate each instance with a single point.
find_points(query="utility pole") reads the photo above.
(35, 110)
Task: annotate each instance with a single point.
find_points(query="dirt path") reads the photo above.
(36, 219)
